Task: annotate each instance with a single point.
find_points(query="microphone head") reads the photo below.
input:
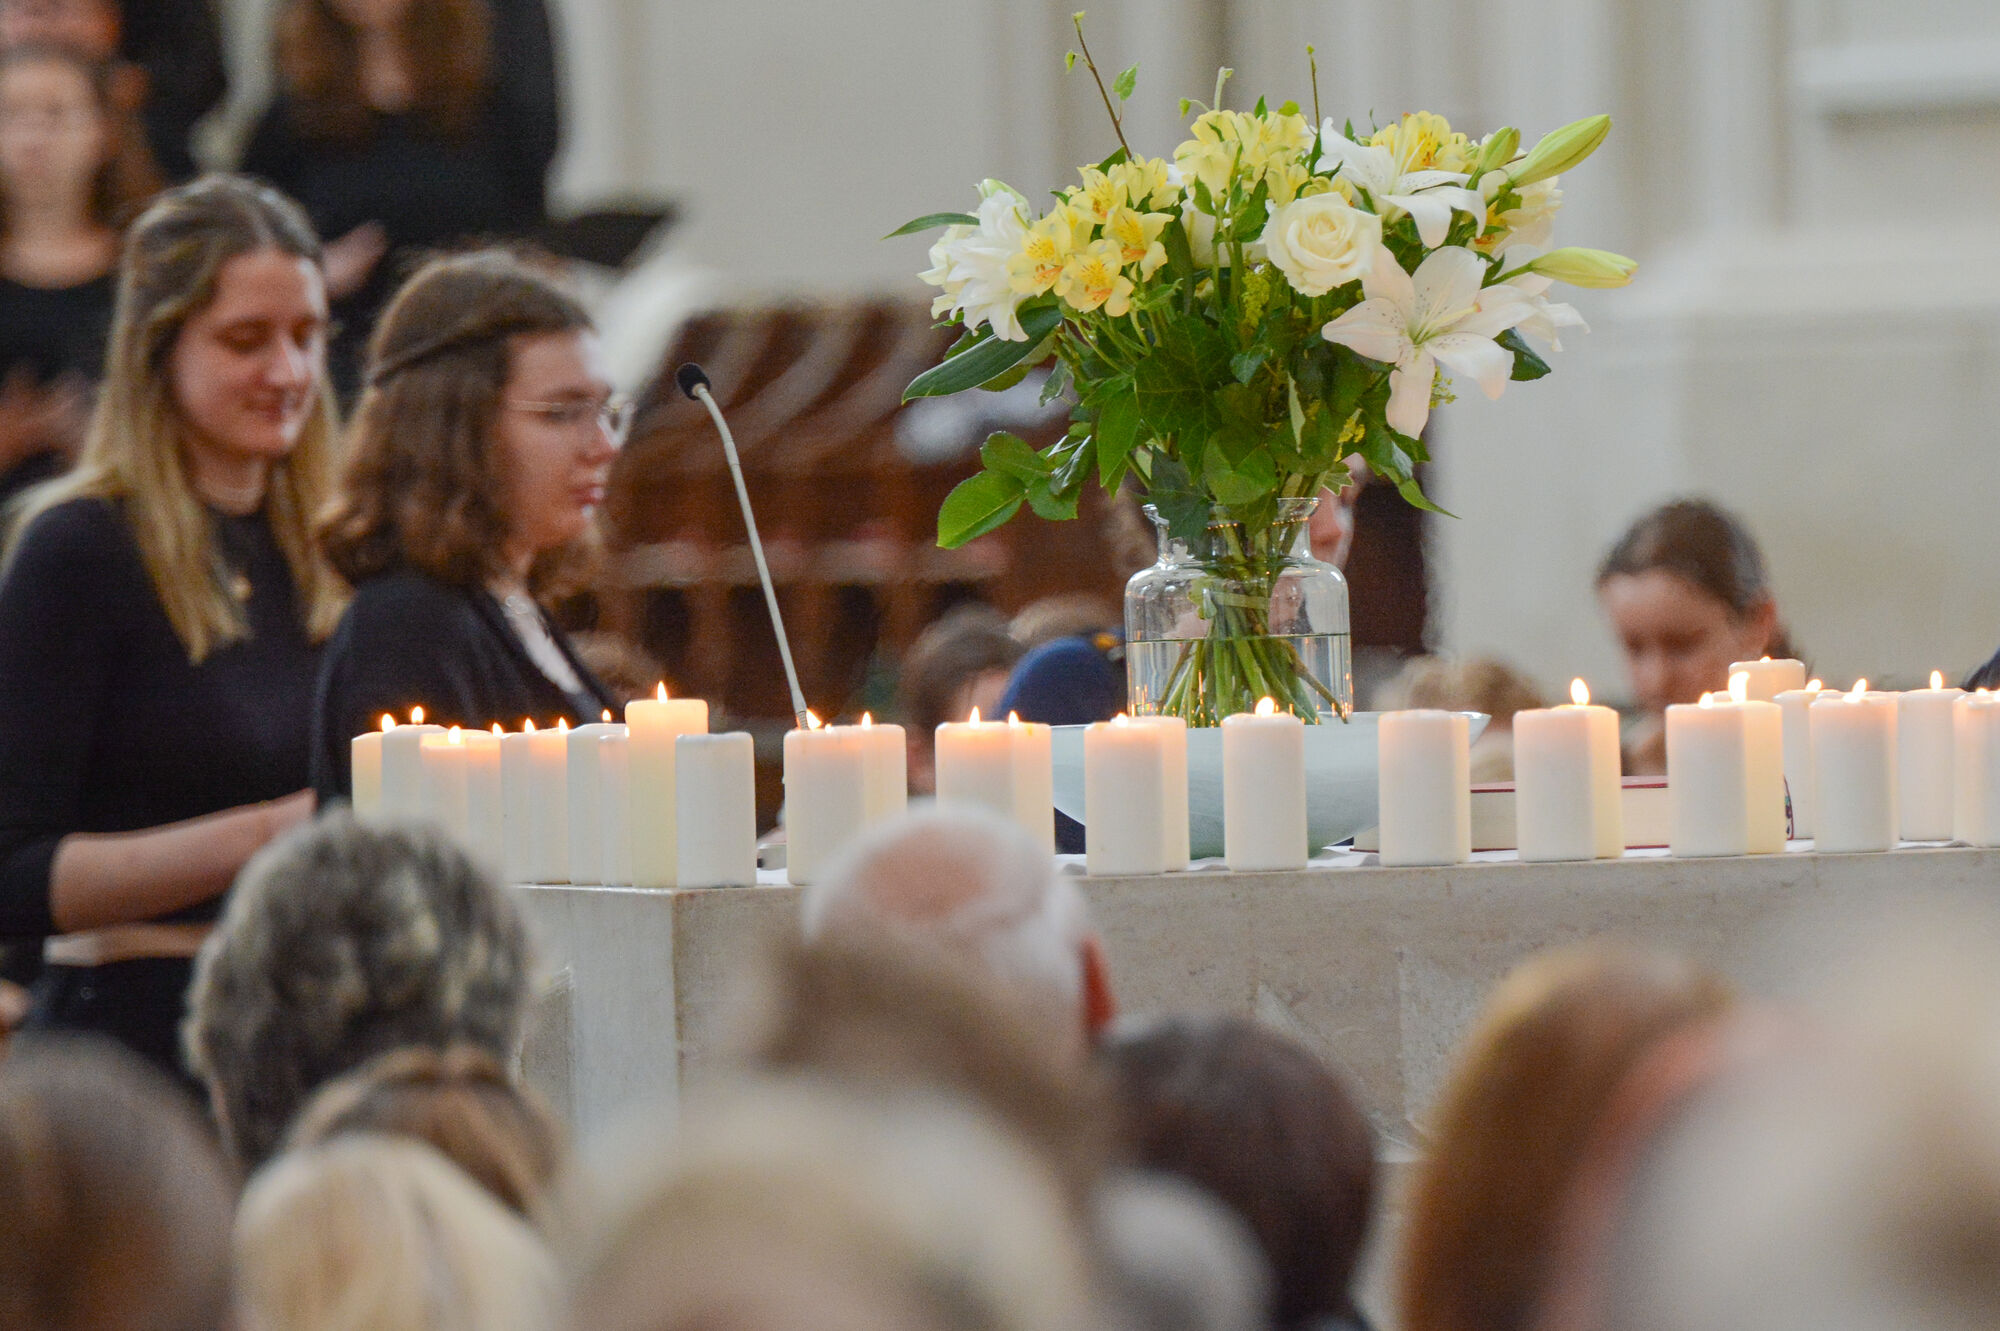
(690, 377)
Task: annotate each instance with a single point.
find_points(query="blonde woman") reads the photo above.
(160, 615)
(384, 1233)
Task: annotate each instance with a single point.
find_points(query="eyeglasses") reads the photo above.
(613, 415)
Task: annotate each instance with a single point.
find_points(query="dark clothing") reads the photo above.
(1987, 676)
(53, 331)
(137, 1003)
(426, 189)
(1069, 682)
(105, 726)
(409, 640)
(179, 45)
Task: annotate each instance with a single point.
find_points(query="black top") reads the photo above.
(53, 331)
(409, 640)
(179, 45)
(105, 726)
(1987, 676)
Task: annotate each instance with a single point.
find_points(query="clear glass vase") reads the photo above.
(1241, 614)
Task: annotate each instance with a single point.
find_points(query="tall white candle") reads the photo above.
(548, 785)
(652, 726)
(1424, 781)
(365, 772)
(1854, 770)
(1568, 803)
(1034, 779)
(1794, 705)
(1924, 760)
(1124, 776)
(484, 819)
(975, 765)
(1976, 782)
(826, 795)
(1765, 679)
(1708, 789)
(715, 803)
(888, 757)
(1173, 788)
(585, 796)
(1763, 770)
(1264, 790)
(517, 805)
(445, 796)
(614, 809)
(403, 767)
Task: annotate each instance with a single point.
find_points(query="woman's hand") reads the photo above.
(35, 419)
(350, 259)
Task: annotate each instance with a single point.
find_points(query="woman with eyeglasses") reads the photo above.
(475, 459)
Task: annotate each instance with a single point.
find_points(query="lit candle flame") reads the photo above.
(1013, 718)
(813, 722)
(416, 716)
(867, 719)
(974, 718)
(1860, 688)
(1815, 685)
(607, 716)
(497, 730)
(662, 691)
(1739, 686)
(1937, 679)
(1579, 693)
(1267, 707)
(562, 723)
(1707, 700)
(388, 722)
(1121, 720)
(1765, 657)
(454, 737)
(527, 725)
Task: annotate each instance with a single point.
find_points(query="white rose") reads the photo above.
(1321, 242)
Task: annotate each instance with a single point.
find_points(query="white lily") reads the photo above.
(1415, 321)
(1541, 318)
(1429, 197)
(970, 263)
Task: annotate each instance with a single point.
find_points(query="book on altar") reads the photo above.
(1644, 799)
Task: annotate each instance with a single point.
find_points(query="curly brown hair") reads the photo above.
(447, 43)
(422, 484)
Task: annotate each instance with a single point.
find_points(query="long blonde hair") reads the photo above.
(134, 449)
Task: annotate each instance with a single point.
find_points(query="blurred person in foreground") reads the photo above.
(342, 942)
(1259, 1122)
(384, 1233)
(958, 664)
(978, 887)
(1687, 592)
(1476, 684)
(459, 1101)
(1528, 1090)
(789, 1206)
(114, 1205)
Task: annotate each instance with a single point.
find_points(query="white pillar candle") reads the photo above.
(1976, 782)
(1264, 790)
(364, 782)
(585, 798)
(1794, 707)
(1708, 790)
(548, 786)
(826, 795)
(975, 765)
(1854, 770)
(1765, 679)
(517, 805)
(485, 819)
(403, 767)
(715, 808)
(1173, 787)
(445, 797)
(888, 760)
(1924, 760)
(1568, 803)
(1424, 781)
(1034, 779)
(652, 725)
(1124, 776)
(1763, 768)
(614, 807)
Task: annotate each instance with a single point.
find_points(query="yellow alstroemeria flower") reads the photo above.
(1137, 236)
(1148, 186)
(1250, 147)
(1092, 278)
(1101, 194)
(1046, 248)
(1425, 141)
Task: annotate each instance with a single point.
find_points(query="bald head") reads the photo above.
(977, 884)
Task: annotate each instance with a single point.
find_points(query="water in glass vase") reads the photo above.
(1166, 676)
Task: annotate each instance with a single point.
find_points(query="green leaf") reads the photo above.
(1070, 469)
(1118, 156)
(1260, 109)
(1289, 109)
(1413, 494)
(929, 220)
(977, 505)
(1125, 83)
(1185, 104)
(1175, 385)
(1006, 379)
(1069, 61)
(1244, 364)
(1117, 435)
(1527, 365)
(1011, 455)
(1171, 490)
(1048, 503)
(987, 359)
(1245, 482)
(1057, 381)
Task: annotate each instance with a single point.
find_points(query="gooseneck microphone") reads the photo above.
(693, 381)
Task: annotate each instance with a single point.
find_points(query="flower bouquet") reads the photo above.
(1236, 325)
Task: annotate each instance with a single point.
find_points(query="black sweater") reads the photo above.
(105, 726)
(409, 640)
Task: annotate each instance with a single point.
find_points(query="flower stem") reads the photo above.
(1117, 126)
